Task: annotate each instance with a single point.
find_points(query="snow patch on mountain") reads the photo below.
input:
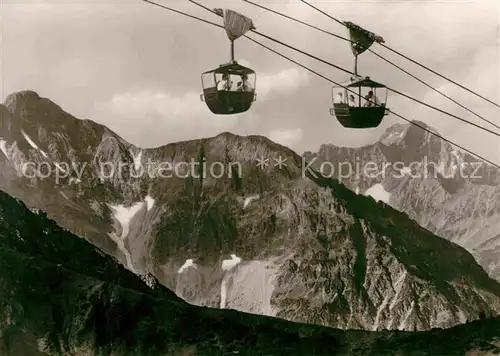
(378, 192)
(30, 141)
(33, 144)
(250, 199)
(227, 265)
(124, 215)
(149, 202)
(189, 263)
(121, 245)
(251, 287)
(3, 147)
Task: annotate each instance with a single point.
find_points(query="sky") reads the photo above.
(136, 68)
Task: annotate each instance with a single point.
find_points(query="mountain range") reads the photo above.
(240, 222)
(449, 192)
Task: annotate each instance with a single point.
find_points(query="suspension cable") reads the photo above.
(376, 54)
(330, 80)
(280, 42)
(408, 58)
(436, 90)
(348, 71)
(298, 21)
(324, 13)
(396, 114)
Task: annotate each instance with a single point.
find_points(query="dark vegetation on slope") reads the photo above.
(414, 245)
(59, 287)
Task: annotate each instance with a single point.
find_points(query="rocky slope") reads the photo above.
(62, 296)
(446, 191)
(304, 248)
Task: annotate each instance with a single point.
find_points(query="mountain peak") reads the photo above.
(23, 94)
(398, 133)
(248, 139)
(32, 111)
(27, 105)
(227, 134)
(12, 101)
(420, 123)
(420, 128)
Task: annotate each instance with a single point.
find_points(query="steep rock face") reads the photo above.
(56, 162)
(448, 192)
(56, 301)
(304, 248)
(43, 270)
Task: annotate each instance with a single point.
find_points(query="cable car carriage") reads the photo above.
(230, 89)
(357, 105)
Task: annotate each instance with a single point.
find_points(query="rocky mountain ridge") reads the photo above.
(447, 191)
(305, 248)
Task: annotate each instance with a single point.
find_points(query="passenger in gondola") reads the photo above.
(224, 84)
(371, 100)
(339, 99)
(352, 100)
(244, 85)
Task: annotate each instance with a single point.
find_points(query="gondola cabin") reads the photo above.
(354, 107)
(229, 89)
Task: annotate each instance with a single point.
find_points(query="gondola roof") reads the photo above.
(232, 67)
(356, 82)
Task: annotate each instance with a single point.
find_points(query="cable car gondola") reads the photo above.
(229, 100)
(230, 89)
(359, 113)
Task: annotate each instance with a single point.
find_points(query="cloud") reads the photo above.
(158, 116)
(284, 82)
(146, 102)
(245, 63)
(152, 118)
(287, 137)
(482, 76)
(73, 73)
